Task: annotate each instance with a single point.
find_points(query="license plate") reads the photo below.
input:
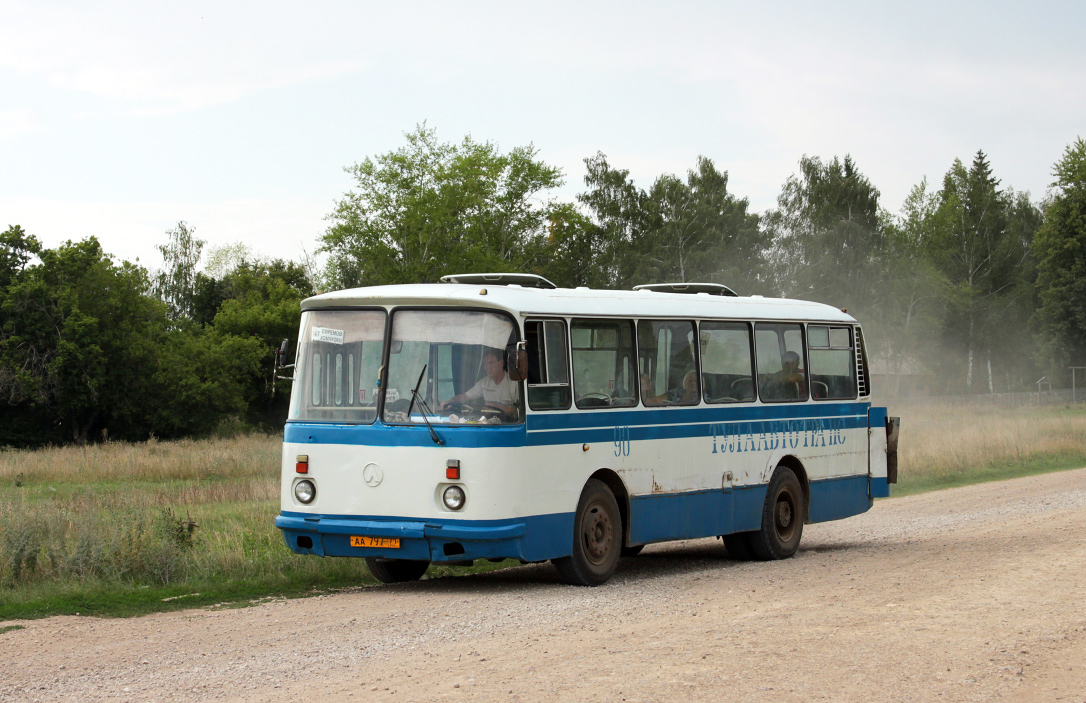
(378, 542)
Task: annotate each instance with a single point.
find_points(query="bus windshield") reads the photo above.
(456, 359)
(339, 358)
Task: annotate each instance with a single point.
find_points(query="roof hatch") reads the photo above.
(526, 280)
(708, 288)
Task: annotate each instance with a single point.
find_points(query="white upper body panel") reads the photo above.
(578, 302)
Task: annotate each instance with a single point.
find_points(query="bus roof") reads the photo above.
(576, 302)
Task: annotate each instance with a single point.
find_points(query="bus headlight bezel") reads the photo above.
(300, 489)
(454, 498)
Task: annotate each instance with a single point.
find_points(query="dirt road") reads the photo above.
(976, 593)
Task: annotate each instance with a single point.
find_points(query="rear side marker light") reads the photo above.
(302, 465)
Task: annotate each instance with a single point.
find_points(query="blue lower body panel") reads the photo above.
(668, 516)
(534, 538)
(653, 518)
(836, 498)
(880, 488)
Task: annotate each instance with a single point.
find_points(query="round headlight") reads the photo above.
(453, 497)
(305, 491)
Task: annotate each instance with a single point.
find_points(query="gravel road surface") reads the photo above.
(970, 594)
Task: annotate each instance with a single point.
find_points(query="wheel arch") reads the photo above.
(613, 481)
(793, 463)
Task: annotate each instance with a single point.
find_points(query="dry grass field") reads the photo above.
(953, 444)
(117, 528)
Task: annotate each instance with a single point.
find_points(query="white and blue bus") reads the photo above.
(495, 416)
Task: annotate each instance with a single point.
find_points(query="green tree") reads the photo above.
(679, 230)
(263, 307)
(981, 246)
(17, 249)
(618, 208)
(573, 249)
(828, 235)
(78, 343)
(914, 293)
(176, 282)
(431, 208)
(701, 232)
(201, 378)
(1060, 248)
(87, 350)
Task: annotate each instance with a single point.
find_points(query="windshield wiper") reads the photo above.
(425, 408)
(415, 391)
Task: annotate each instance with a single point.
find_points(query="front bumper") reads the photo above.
(535, 538)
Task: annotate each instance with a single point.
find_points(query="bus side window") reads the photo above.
(726, 363)
(781, 373)
(603, 368)
(833, 366)
(548, 365)
(668, 369)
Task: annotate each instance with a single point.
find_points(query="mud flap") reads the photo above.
(893, 428)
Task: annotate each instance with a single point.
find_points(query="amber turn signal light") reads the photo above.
(302, 465)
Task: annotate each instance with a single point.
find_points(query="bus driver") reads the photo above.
(495, 388)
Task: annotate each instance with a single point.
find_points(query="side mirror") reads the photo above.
(516, 361)
(284, 348)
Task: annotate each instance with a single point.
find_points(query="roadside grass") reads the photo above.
(126, 529)
(944, 445)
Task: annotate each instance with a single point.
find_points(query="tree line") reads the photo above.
(971, 281)
(92, 349)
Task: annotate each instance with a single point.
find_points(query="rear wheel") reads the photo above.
(782, 518)
(396, 570)
(597, 538)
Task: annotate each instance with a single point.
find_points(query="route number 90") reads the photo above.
(622, 441)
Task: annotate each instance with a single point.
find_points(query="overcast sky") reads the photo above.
(119, 119)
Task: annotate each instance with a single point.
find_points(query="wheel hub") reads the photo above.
(598, 534)
(784, 514)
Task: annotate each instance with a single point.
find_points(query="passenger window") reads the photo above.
(548, 365)
(833, 365)
(781, 374)
(727, 369)
(602, 355)
(667, 365)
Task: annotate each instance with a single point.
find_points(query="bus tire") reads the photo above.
(737, 546)
(396, 570)
(782, 518)
(597, 538)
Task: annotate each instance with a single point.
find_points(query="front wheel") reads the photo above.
(396, 570)
(782, 518)
(597, 538)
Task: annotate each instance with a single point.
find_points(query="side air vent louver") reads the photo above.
(861, 365)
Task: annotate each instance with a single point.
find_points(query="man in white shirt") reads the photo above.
(495, 388)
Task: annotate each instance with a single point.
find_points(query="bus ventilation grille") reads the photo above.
(861, 367)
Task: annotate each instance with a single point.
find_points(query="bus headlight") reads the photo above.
(453, 497)
(305, 491)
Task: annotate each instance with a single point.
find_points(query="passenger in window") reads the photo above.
(689, 391)
(495, 388)
(647, 396)
(788, 383)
